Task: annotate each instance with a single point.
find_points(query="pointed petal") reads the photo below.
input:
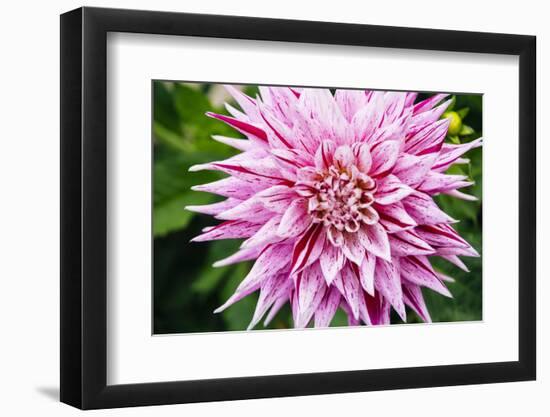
(387, 281)
(248, 129)
(271, 289)
(451, 153)
(408, 243)
(384, 156)
(428, 139)
(353, 248)
(327, 308)
(423, 209)
(267, 234)
(412, 169)
(308, 248)
(331, 261)
(375, 240)
(348, 285)
(412, 294)
(455, 260)
(394, 217)
(277, 198)
(391, 190)
(295, 220)
(378, 309)
(418, 270)
(245, 254)
(311, 290)
(240, 144)
(231, 229)
(231, 187)
(272, 260)
(366, 273)
(215, 208)
(325, 155)
(435, 183)
(363, 157)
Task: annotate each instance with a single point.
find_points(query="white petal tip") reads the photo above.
(199, 167)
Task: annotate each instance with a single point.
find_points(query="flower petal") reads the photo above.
(311, 289)
(272, 260)
(394, 217)
(325, 155)
(391, 190)
(215, 208)
(418, 270)
(408, 243)
(412, 169)
(378, 309)
(271, 289)
(244, 254)
(429, 139)
(384, 156)
(327, 308)
(387, 280)
(366, 273)
(331, 260)
(308, 248)
(363, 158)
(240, 144)
(353, 248)
(348, 285)
(231, 229)
(412, 294)
(295, 220)
(248, 129)
(277, 198)
(375, 240)
(423, 209)
(435, 183)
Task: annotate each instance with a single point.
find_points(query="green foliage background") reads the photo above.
(187, 288)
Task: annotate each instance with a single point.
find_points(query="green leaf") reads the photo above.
(171, 215)
(451, 105)
(211, 276)
(169, 137)
(466, 130)
(455, 139)
(463, 112)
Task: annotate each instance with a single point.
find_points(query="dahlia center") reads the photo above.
(342, 200)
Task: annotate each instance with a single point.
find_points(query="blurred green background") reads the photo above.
(187, 288)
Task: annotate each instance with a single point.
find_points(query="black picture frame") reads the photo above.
(84, 207)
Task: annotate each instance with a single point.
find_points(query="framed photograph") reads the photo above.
(257, 208)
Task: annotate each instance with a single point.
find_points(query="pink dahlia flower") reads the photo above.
(333, 196)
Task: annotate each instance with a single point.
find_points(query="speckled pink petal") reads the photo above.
(327, 308)
(375, 240)
(429, 139)
(387, 281)
(311, 289)
(331, 261)
(231, 229)
(394, 217)
(384, 156)
(308, 248)
(409, 243)
(391, 190)
(418, 270)
(295, 220)
(423, 209)
(412, 294)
